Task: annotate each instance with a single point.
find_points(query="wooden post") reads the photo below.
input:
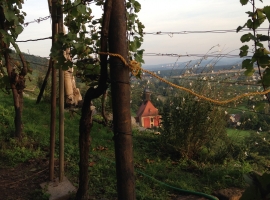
(61, 101)
(53, 94)
(120, 88)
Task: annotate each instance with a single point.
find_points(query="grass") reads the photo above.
(151, 162)
(237, 134)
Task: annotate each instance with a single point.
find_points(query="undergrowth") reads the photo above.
(156, 168)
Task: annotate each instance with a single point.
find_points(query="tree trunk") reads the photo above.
(17, 81)
(120, 88)
(86, 122)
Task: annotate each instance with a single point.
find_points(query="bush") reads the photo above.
(259, 150)
(194, 128)
(254, 121)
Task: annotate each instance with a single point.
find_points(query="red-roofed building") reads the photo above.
(147, 115)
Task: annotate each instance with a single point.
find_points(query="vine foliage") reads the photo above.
(83, 38)
(260, 54)
(11, 21)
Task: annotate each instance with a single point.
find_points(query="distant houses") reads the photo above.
(234, 119)
(147, 115)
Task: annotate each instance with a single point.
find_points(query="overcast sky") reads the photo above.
(164, 16)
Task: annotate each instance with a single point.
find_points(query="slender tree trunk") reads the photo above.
(103, 107)
(120, 88)
(44, 82)
(17, 100)
(86, 122)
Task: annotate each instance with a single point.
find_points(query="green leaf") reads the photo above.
(256, 24)
(240, 27)
(266, 11)
(247, 64)
(131, 17)
(243, 51)
(260, 45)
(137, 41)
(249, 72)
(245, 38)
(263, 37)
(250, 14)
(9, 15)
(249, 24)
(261, 16)
(81, 9)
(18, 29)
(265, 51)
(74, 12)
(243, 2)
(263, 60)
(138, 58)
(266, 77)
(137, 6)
(132, 46)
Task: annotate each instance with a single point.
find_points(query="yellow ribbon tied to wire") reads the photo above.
(135, 68)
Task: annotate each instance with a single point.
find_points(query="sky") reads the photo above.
(164, 16)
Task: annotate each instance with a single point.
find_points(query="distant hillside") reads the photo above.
(35, 62)
(217, 63)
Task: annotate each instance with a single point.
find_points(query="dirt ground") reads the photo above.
(22, 181)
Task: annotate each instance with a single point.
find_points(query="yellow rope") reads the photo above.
(136, 68)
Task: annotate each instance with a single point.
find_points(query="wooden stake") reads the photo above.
(53, 95)
(61, 101)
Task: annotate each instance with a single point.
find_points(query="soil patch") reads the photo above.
(21, 182)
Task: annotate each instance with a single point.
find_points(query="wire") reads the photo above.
(194, 55)
(40, 19)
(171, 33)
(34, 40)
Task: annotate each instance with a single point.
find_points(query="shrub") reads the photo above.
(194, 128)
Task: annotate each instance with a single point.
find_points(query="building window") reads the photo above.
(152, 119)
